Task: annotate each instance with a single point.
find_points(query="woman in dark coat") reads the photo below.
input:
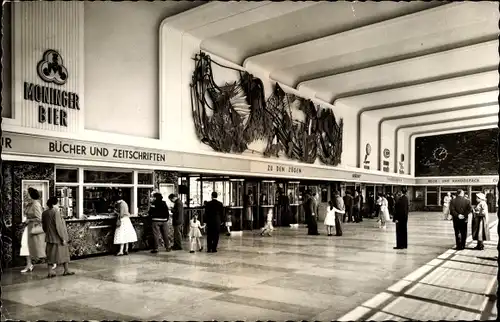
(480, 229)
(56, 236)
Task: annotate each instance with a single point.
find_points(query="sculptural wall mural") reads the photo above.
(457, 154)
(229, 118)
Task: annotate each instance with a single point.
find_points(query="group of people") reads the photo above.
(460, 209)
(348, 207)
(45, 235)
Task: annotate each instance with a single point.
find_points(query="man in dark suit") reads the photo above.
(213, 214)
(460, 209)
(348, 201)
(312, 226)
(400, 217)
(356, 207)
(177, 221)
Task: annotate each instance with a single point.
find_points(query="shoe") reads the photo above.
(397, 248)
(214, 251)
(119, 254)
(228, 234)
(28, 269)
(68, 273)
(201, 249)
(168, 250)
(191, 251)
(125, 253)
(154, 251)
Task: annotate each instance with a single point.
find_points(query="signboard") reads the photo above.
(483, 180)
(56, 148)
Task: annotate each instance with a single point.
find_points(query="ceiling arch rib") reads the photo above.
(443, 122)
(428, 68)
(364, 47)
(316, 21)
(419, 94)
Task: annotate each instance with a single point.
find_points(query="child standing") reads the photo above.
(268, 228)
(330, 217)
(195, 233)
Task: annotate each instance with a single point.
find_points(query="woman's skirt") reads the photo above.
(384, 214)
(330, 219)
(194, 233)
(36, 244)
(57, 253)
(25, 251)
(480, 229)
(125, 233)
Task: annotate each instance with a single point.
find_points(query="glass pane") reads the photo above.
(99, 200)
(432, 199)
(68, 204)
(67, 175)
(194, 192)
(144, 200)
(208, 188)
(293, 192)
(236, 194)
(432, 188)
(268, 193)
(107, 177)
(145, 178)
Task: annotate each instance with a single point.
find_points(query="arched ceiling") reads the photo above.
(396, 60)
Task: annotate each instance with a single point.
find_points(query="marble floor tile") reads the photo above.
(222, 311)
(448, 296)
(427, 311)
(309, 298)
(471, 267)
(460, 280)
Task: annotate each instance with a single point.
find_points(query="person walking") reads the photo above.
(125, 231)
(480, 222)
(177, 220)
(401, 210)
(56, 238)
(460, 208)
(384, 216)
(195, 234)
(339, 204)
(34, 236)
(214, 211)
(159, 214)
(446, 206)
(248, 204)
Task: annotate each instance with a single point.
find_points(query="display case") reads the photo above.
(67, 201)
(236, 193)
(293, 193)
(144, 198)
(267, 193)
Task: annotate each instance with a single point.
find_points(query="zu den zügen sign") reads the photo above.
(51, 70)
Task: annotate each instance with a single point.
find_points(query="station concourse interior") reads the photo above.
(306, 137)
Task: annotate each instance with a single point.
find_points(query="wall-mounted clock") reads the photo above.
(387, 153)
(440, 154)
(368, 149)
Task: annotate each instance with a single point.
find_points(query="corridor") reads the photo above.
(289, 276)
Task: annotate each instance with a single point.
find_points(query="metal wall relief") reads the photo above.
(240, 115)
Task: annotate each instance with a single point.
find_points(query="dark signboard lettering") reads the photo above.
(6, 143)
(51, 70)
(283, 169)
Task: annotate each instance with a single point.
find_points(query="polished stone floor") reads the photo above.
(289, 276)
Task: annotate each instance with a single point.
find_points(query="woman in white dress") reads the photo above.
(125, 231)
(33, 239)
(195, 233)
(384, 215)
(330, 217)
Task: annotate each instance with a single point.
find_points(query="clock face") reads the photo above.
(440, 154)
(387, 153)
(368, 149)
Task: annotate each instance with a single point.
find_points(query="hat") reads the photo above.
(481, 196)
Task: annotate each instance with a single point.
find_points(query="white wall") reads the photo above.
(121, 65)
(387, 141)
(7, 60)
(369, 135)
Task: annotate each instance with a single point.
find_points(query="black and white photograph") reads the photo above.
(249, 160)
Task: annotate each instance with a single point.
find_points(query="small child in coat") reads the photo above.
(195, 233)
(268, 228)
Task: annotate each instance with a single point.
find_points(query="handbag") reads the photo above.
(36, 230)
